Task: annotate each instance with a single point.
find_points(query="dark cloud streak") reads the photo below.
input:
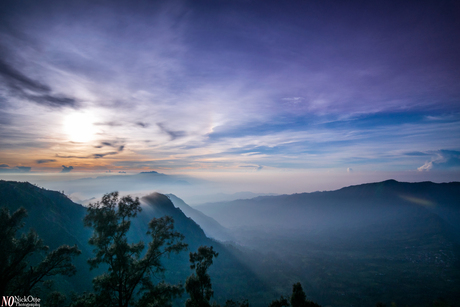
(94, 156)
(114, 144)
(173, 134)
(66, 169)
(17, 169)
(24, 169)
(98, 156)
(18, 81)
(143, 125)
(21, 86)
(110, 124)
(45, 161)
(72, 157)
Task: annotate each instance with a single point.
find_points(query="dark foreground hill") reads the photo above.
(386, 241)
(59, 221)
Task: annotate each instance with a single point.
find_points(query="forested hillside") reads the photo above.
(58, 221)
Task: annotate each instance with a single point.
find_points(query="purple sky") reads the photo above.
(369, 89)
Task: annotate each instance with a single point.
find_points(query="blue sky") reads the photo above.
(362, 87)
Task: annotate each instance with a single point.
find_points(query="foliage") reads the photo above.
(55, 299)
(298, 299)
(160, 295)
(281, 302)
(19, 277)
(198, 285)
(83, 300)
(232, 303)
(440, 302)
(128, 270)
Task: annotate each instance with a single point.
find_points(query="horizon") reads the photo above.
(249, 96)
(195, 192)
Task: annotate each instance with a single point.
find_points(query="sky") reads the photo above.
(282, 93)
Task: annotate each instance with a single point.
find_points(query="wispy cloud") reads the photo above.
(24, 87)
(442, 159)
(173, 134)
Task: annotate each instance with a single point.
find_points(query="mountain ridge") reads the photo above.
(398, 241)
(231, 278)
(389, 248)
(210, 226)
(384, 195)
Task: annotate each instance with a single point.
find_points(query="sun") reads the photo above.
(79, 127)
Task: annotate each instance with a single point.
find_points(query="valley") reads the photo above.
(351, 247)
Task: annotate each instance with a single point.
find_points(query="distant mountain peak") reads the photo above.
(390, 181)
(151, 172)
(160, 200)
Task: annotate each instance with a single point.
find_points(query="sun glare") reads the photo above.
(79, 127)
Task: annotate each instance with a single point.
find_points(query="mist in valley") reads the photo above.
(382, 241)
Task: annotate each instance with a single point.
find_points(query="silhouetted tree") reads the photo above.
(128, 272)
(83, 300)
(440, 302)
(55, 299)
(312, 304)
(18, 276)
(282, 302)
(298, 297)
(232, 303)
(198, 285)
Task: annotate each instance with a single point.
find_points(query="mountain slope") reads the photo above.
(231, 278)
(210, 226)
(386, 241)
(59, 221)
(363, 204)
